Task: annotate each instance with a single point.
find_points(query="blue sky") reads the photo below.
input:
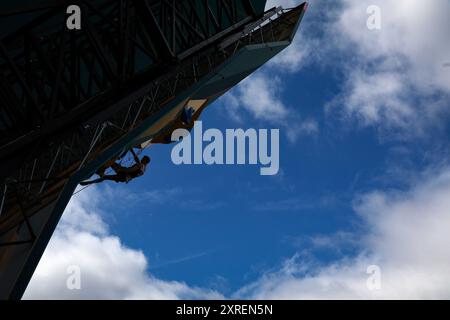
(364, 179)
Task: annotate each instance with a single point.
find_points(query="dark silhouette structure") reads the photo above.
(72, 100)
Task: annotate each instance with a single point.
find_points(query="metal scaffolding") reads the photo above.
(67, 98)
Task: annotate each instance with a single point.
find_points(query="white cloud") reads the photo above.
(379, 98)
(413, 38)
(109, 269)
(260, 96)
(293, 58)
(394, 78)
(407, 237)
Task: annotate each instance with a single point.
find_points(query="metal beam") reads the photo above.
(154, 32)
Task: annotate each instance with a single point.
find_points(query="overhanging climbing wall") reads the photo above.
(72, 100)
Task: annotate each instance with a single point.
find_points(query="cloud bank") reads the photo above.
(393, 78)
(407, 238)
(108, 269)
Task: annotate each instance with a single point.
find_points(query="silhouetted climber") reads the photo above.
(123, 174)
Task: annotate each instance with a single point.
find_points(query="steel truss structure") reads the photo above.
(68, 96)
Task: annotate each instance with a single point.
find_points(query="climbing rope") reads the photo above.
(77, 192)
